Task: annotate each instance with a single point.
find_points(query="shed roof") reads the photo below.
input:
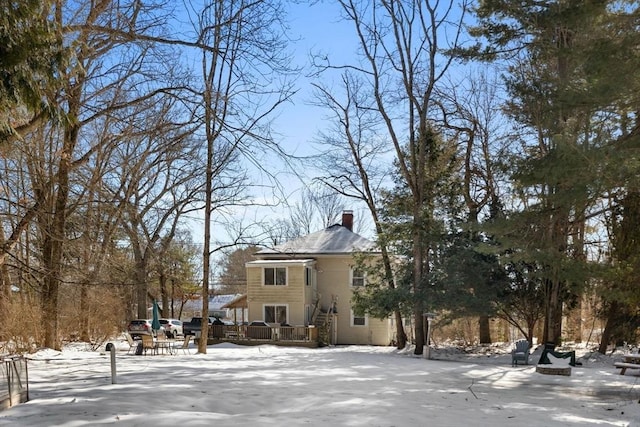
(216, 302)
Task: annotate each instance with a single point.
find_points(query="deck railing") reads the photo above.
(291, 334)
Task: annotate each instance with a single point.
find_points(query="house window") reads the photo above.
(275, 276)
(308, 276)
(359, 319)
(357, 277)
(275, 314)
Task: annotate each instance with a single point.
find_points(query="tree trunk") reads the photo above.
(401, 336)
(419, 328)
(164, 296)
(56, 235)
(553, 318)
(5, 283)
(607, 333)
(419, 255)
(142, 288)
(484, 326)
(84, 314)
(557, 321)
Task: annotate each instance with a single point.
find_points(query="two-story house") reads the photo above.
(310, 281)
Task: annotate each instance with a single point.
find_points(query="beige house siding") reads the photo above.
(291, 295)
(334, 281)
(329, 255)
(376, 332)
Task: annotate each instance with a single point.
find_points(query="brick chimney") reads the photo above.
(347, 220)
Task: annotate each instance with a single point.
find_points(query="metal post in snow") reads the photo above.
(112, 349)
(427, 350)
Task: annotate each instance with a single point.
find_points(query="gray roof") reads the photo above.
(335, 239)
(216, 302)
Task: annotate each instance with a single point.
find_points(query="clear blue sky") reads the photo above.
(316, 28)
(313, 28)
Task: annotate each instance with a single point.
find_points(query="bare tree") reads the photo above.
(352, 161)
(154, 180)
(109, 66)
(244, 69)
(470, 113)
(73, 97)
(328, 203)
(401, 64)
(302, 214)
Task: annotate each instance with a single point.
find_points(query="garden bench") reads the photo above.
(623, 366)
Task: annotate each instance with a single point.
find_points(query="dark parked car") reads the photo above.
(259, 330)
(195, 325)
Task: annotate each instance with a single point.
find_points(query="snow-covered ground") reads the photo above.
(333, 386)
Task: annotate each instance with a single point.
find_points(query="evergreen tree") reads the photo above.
(31, 57)
(470, 279)
(463, 279)
(566, 89)
(441, 183)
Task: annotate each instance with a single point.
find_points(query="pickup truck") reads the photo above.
(195, 325)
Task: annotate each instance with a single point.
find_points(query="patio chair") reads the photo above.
(185, 345)
(550, 349)
(520, 352)
(130, 341)
(148, 344)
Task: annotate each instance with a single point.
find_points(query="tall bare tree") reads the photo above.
(353, 163)
(244, 68)
(154, 179)
(401, 63)
(109, 66)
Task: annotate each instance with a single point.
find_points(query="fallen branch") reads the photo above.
(474, 395)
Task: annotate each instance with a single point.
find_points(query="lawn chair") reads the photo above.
(185, 345)
(520, 352)
(130, 341)
(148, 344)
(550, 349)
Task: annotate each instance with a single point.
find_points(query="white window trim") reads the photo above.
(307, 314)
(308, 276)
(286, 275)
(366, 320)
(351, 277)
(264, 306)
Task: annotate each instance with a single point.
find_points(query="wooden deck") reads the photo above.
(301, 336)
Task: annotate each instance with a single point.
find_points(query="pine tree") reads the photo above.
(565, 88)
(31, 57)
(441, 198)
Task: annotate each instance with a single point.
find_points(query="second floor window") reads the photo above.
(275, 276)
(357, 277)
